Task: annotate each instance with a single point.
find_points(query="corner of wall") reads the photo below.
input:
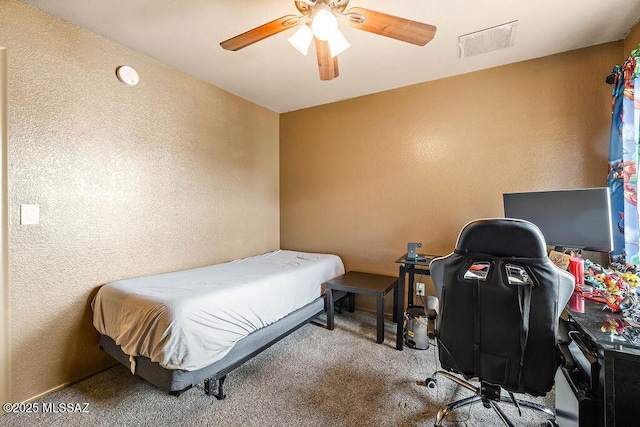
(632, 40)
(5, 349)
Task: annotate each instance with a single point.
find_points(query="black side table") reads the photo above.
(376, 285)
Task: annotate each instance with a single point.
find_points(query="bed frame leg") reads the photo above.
(209, 390)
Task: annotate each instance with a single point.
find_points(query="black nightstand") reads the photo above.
(355, 282)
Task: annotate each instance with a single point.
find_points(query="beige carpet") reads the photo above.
(314, 377)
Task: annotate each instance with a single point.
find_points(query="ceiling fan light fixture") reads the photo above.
(319, 24)
(324, 24)
(302, 39)
(338, 44)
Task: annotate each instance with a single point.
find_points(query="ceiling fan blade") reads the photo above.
(262, 32)
(327, 65)
(391, 26)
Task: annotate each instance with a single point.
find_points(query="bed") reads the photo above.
(178, 329)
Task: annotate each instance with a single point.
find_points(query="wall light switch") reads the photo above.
(29, 214)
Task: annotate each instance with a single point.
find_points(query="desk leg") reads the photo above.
(352, 302)
(395, 303)
(399, 307)
(329, 294)
(411, 278)
(380, 319)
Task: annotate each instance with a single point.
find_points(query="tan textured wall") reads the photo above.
(170, 174)
(362, 177)
(5, 353)
(632, 40)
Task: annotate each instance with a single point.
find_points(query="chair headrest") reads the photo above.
(502, 237)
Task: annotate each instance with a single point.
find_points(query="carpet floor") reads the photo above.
(313, 377)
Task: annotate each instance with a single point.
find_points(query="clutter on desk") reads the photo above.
(560, 259)
(632, 335)
(615, 288)
(618, 290)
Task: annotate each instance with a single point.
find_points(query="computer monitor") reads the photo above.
(578, 219)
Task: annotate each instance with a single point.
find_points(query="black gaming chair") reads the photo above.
(500, 301)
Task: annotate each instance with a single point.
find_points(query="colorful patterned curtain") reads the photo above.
(623, 159)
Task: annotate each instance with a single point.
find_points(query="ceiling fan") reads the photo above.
(319, 24)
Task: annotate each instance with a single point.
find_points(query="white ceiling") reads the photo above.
(185, 34)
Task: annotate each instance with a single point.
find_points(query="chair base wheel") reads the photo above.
(431, 382)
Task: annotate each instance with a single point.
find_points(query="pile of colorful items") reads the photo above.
(618, 289)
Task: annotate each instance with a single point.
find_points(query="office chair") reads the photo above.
(500, 302)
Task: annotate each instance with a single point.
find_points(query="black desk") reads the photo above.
(412, 267)
(614, 364)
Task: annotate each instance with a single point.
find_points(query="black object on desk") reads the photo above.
(412, 249)
(608, 364)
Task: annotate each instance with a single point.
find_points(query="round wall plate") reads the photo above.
(127, 75)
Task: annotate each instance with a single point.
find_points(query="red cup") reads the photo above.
(576, 267)
(576, 302)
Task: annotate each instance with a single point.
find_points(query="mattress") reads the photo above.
(190, 319)
(175, 381)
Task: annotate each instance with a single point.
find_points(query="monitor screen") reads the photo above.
(578, 219)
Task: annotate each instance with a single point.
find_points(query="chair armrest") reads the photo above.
(566, 359)
(563, 332)
(431, 310)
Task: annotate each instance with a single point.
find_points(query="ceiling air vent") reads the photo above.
(487, 40)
